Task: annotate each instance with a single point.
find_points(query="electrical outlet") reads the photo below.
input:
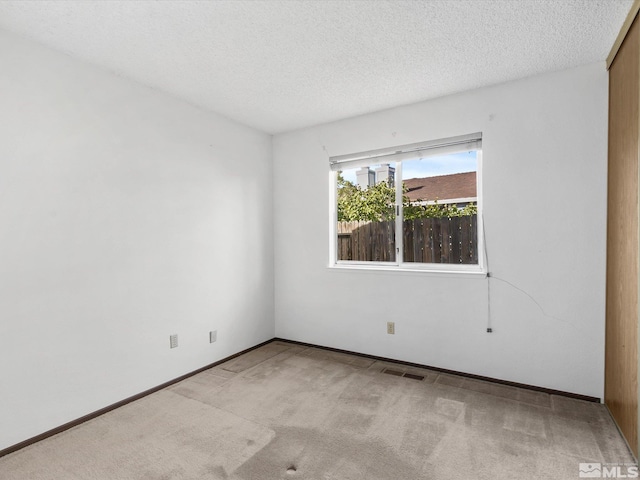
(391, 328)
(173, 341)
(213, 336)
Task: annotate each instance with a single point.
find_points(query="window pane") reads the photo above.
(366, 214)
(440, 209)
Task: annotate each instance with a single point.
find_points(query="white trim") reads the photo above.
(480, 215)
(461, 143)
(399, 214)
(374, 268)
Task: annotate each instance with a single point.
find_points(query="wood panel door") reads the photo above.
(621, 348)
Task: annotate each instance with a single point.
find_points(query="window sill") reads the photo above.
(438, 272)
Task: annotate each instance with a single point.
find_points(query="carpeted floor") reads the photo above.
(288, 412)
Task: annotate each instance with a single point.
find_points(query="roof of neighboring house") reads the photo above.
(443, 187)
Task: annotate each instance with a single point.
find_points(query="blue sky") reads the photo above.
(431, 166)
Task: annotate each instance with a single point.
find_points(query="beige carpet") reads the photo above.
(288, 412)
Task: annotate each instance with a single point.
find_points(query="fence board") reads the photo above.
(425, 240)
(454, 240)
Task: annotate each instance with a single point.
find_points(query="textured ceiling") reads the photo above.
(282, 65)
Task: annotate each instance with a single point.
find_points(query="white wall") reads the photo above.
(544, 155)
(126, 216)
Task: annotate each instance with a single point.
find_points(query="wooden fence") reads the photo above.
(425, 240)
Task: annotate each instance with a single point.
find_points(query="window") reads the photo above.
(415, 206)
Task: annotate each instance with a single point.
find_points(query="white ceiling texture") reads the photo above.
(280, 65)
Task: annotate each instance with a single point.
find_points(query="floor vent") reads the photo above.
(389, 371)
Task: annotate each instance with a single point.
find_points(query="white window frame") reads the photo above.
(397, 155)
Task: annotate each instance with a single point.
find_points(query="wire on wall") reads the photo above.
(486, 260)
(491, 276)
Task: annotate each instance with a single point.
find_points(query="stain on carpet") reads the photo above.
(317, 454)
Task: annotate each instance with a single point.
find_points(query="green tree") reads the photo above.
(376, 204)
(436, 210)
